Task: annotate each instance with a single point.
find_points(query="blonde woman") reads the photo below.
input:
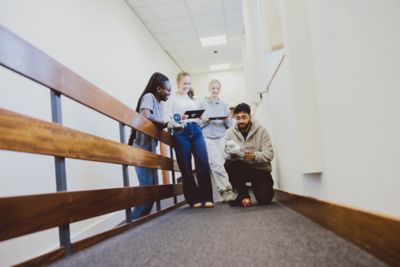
(190, 141)
(216, 119)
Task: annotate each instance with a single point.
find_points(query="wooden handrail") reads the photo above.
(25, 134)
(21, 57)
(23, 215)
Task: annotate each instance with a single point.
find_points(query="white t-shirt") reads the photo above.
(180, 104)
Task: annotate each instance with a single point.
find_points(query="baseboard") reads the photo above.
(377, 234)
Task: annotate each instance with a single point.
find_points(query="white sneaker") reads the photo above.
(229, 195)
(221, 198)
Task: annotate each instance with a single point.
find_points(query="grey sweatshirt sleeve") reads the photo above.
(267, 153)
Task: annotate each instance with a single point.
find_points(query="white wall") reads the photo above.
(233, 89)
(299, 49)
(104, 42)
(355, 65)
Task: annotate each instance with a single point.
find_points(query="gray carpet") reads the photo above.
(223, 236)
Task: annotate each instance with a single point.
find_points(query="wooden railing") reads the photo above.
(21, 215)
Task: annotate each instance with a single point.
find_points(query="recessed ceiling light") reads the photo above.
(213, 40)
(224, 66)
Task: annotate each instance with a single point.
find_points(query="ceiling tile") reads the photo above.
(136, 3)
(144, 14)
(176, 24)
(190, 43)
(223, 54)
(235, 28)
(231, 38)
(188, 57)
(208, 20)
(232, 4)
(182, 35)
(154, 27)
(157, 2)
(168, 46)
(211, 31)
(197, 7)
(170, 11)
(233, 16)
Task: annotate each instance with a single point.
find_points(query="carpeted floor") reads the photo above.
(223, 236)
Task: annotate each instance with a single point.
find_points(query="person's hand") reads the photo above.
(249, 155)
(232, 148)
(179, 126)
(184, 116)
(205, 119)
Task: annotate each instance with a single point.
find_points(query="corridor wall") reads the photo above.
(355, 63)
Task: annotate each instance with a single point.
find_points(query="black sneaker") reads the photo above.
(237, 202)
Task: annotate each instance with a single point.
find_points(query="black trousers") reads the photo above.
(261, 181)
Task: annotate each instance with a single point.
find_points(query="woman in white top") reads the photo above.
(216, 119)
(190, 141)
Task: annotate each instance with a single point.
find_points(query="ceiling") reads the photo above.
(179, 24)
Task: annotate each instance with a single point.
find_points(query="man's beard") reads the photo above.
(244, 127)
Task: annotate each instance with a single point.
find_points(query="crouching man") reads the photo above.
(248, 154)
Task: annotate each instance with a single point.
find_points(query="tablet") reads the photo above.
(217, 118)
(194, 113)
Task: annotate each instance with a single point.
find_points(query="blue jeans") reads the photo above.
(187, 142)
(146, 176)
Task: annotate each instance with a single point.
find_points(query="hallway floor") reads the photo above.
(270, 235)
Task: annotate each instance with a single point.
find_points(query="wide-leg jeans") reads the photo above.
(188, 142)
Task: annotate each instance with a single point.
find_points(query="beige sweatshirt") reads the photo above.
(257, 140)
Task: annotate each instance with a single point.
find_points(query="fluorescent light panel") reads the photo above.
(213, 40)
(224, 66)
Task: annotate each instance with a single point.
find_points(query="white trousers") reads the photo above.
(215, 149)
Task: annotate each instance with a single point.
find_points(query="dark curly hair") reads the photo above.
(242, 107)
(156, 80)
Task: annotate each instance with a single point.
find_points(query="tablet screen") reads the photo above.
(194, 113)
(218, 118)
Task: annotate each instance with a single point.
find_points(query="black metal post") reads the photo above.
(61, 176)
(173, 172)
(125, 173)
(155, 173)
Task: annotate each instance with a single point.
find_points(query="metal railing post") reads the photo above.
(173, 172)
(61, 176)
(125, 173)
(155, 173)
